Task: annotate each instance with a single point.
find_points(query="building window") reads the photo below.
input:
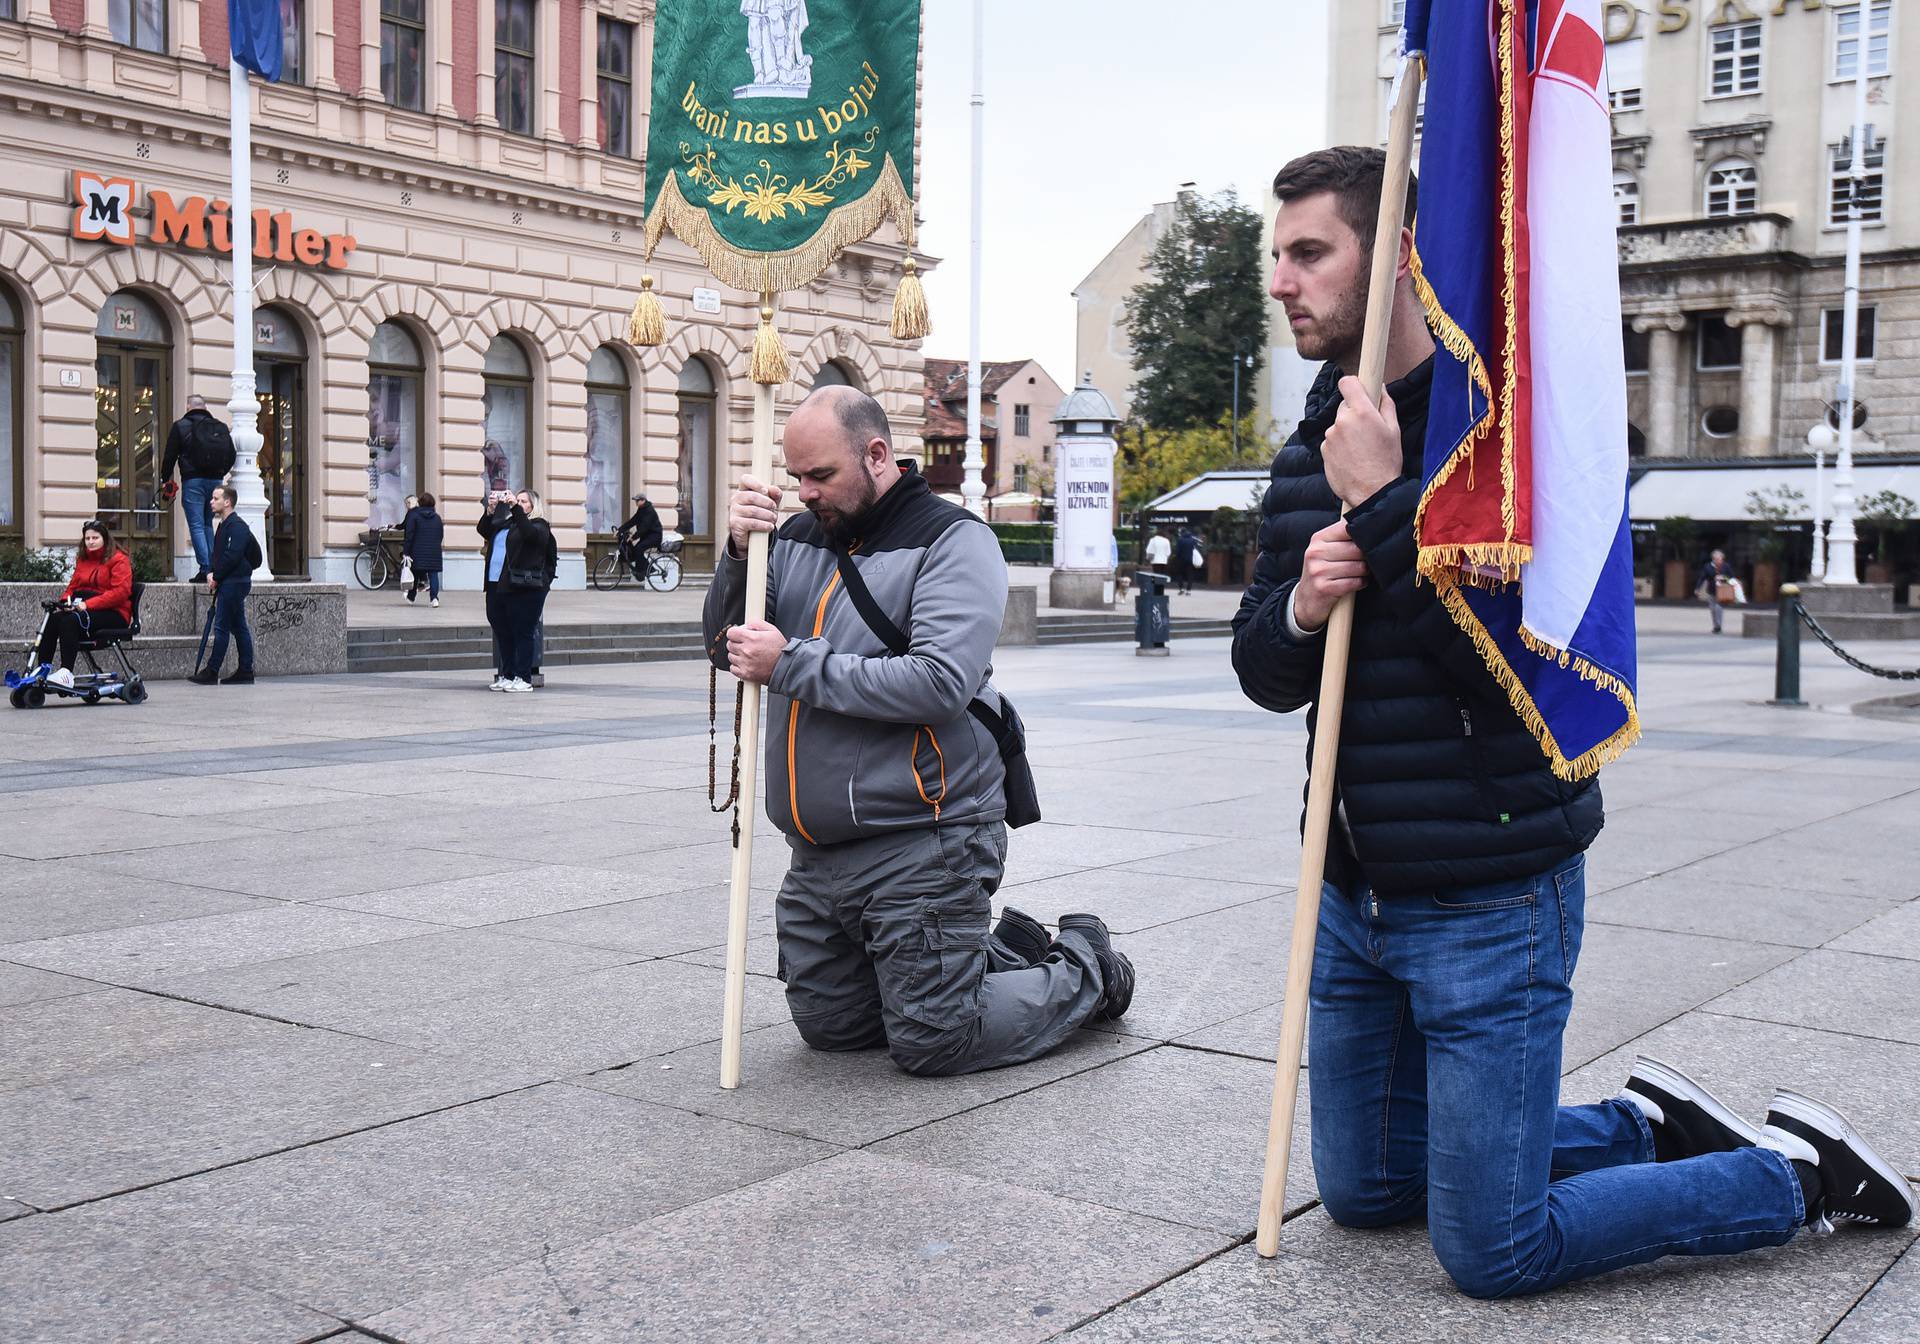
(1623, 100)
(697, 401)
(403, 53)
(293, 46)
(1396, 13)
(1637, 346)
(616, 87)
(1020, 477)
(1022, 419)
(12, 460)
(1735, 55)
(138, 23)
(1720, 422)
(395, 373)
(607, 395)
(1846, 39)
(1717, 344)
(1733, 188)
(513, 65)
(506, 414)
(1626, 196)
(1840, 181)
(7, 10)
(1833, 330)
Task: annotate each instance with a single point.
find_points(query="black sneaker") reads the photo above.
(206, 676)
(1116, 972)
(1856, 1184)
(1686, 1119)
(240, 677)
(1023, 935)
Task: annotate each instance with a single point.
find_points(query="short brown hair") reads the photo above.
(426, 499)
(233, 495)
(1354, 174)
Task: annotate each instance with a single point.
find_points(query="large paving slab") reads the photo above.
(52, 898)
(1836, 991)
(524, 893)
(1893, 934)
(305, 866)
(941, 1257)
(1890, 1312)
(651, 926)
(1683, 902)
(416, 1208)
(24, 984)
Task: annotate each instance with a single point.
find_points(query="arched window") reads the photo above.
(834, 373)
(133, 409)
(12, 460)
(608, 389)
(1626, 196)
(1733, 188)
(395, 396)
(696, 404)
(506, 398)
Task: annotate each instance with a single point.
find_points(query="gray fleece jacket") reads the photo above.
(859, 741)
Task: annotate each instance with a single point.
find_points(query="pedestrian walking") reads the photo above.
(1718, 586)
(201, 448)
(236, 554)
(1188, 559)
(521, 562)
(422, 536)
(1159, 550)
(1454, 898)
(493, 528)
(891, 790)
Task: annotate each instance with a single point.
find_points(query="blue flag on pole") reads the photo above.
(254, 26)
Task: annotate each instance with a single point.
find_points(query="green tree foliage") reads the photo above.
(1890, 512)
(1203, 300)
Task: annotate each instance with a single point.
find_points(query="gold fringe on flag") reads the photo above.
(648, 325)
(910, 318)
(769, 365)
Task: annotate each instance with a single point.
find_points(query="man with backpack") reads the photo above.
(236, 554)
(202, 448)
(894, 765)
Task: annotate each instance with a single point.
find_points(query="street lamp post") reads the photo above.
(1840, 556)
(1820, 440)
(1240, 351)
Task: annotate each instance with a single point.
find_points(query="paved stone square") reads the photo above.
(384, 1008)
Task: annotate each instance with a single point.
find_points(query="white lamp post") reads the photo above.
(1820, 441)
(243, 407)
(1840, 556)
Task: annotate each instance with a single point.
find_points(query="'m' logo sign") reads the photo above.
(103, 207)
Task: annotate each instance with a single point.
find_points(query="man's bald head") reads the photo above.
(856, 415)
(839, 446)
(196, 402)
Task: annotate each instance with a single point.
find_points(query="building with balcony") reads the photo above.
(449, 202)
(1732, 125)
(1018, 400)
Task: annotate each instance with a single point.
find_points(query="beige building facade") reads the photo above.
(450, 191)
(1731, 124)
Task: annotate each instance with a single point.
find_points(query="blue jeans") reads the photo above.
(230, 618)
(1434, 1071)
(196, 501)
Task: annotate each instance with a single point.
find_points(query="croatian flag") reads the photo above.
(1522, 525)
(255, 29)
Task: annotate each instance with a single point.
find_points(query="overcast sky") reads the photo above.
(1095, 109)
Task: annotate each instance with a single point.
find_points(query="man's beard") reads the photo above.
(843, 528)
(1338, 334)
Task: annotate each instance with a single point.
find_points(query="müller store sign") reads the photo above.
(103, 211)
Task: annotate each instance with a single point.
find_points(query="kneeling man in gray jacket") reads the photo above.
(889, 791)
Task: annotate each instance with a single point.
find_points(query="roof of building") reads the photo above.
(1235, 489)
(946, 395)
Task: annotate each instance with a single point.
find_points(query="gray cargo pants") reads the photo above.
(884, 941)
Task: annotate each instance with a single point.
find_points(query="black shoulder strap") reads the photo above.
(897, 643)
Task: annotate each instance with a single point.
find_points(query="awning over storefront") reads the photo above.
(1214, 490)
(1717, 493)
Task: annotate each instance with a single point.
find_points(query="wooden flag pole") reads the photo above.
(1333, 693)
(734, 1014)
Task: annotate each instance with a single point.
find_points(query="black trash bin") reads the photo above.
(1152, 626)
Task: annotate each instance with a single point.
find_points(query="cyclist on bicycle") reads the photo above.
(640, 533)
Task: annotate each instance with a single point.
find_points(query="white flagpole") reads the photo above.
(1840, 540)
(973, 488)
(242, 406)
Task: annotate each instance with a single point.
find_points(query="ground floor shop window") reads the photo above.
(607, 392)
(506, 414)
(395, 372)
(697, 400)
(133, 410)
(12, 465)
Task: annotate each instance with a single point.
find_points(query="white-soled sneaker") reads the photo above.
(61, 676)
(1857, 1185)
(516, 686)
(497, 684)
(1686, 1119)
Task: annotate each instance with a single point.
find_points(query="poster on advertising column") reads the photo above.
(1084, 494)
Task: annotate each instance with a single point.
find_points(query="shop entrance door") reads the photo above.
(281, 392)
(133, 403)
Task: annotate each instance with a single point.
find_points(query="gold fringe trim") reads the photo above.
(768, 366)
(1457, 343)
(758, 271)
(1510, 377)
(1483, 565)
(911, 321)
(648, 325)
(1588, 762)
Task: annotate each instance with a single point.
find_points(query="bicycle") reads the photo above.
(658, 568)
(377, 558)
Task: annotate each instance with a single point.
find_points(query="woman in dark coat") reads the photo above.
(420, 541)
(532, 557)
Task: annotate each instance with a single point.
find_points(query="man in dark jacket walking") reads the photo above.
(202, 448)
(422, 536)
(235, 556)
(1453, 905)
(891, 791)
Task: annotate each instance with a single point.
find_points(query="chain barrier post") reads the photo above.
(1786, 655)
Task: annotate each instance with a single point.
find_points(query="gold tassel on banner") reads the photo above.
(769, 364)
(648, 325)
(910, 319)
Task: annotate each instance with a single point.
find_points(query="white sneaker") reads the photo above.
(517, 685)
(61, 676)
(497, 684)
(433, 602)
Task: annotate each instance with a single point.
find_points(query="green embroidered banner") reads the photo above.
(781, 131)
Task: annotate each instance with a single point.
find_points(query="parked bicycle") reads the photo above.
(377, 560)
(657, 567)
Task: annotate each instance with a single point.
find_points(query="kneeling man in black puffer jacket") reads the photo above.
(1453, 908)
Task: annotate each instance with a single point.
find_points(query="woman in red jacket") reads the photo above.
(99, 598)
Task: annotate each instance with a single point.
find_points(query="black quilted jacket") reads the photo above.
(1441, 784)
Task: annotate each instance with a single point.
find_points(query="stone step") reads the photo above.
(1857, 597)
(1842, 625)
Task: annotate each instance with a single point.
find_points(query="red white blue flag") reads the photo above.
(1522, 526)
